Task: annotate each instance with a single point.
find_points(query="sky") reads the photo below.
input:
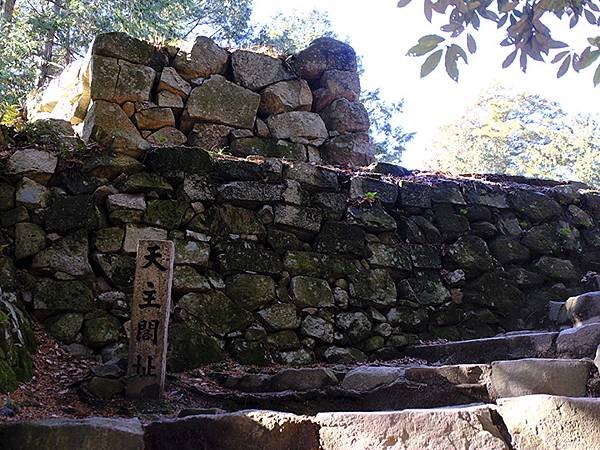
(381, 34)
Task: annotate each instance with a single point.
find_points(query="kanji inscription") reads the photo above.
(150, 312)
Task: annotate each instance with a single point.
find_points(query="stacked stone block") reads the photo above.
(128, 95)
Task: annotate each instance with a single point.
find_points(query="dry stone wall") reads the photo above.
(287, 262)
(128, 95)
(278, 258)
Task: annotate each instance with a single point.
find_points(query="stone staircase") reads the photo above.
(531, 390)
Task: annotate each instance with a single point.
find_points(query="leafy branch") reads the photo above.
(526, 33)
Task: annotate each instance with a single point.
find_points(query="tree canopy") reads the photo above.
(520, 134)
(525, 27)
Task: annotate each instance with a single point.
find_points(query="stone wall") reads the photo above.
(287, 262)
(129, 95)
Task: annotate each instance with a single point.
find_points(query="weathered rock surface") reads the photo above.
(299, 126)
(543, 421)
(256, 71)
(205, 59)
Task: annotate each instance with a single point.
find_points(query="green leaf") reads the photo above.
(471, 44)
(425, 45)
(587, 58)
(564, 67)
(597, 76)
(509, 59)
(451, 63)
(403, 3)
(431, 63)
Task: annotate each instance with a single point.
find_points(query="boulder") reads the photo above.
(285, 96)
(187, 279)
(356, 325)
(395, 256)
(126, 201)
(198, 188)
(251, 291)
(167, 99)
(62, 296)
(100, 331)
(251, 191)
(107, 124)
(469, 427)
(205, 59)
(318, 264)
(107, 166)
(324, 54)
(280, 316)
(303, 379)
(250, 430)
(579, 342)
(340, 237)
(540, 376)
(32, 194)
(154, 118)
(374, 287)
(35, 164)
(299, 126)
(268, 147)
(96, 433)
(72, 212)
(172, 82)
(29, 240)
(372, 219)
(313, 177)
(534, 205)
(221, 101)
(345, 116)
(557, 269)
(167, 137)
(543, 421)
(383, 191)
(190, 348)
(69, 255)
(318, 328)
(64, 327)
(311, 292)
(308, 219)
(367, 378)
(336, 84)
(584, 308)
(246, 256)
(122, 46)
(471, 253)
(119, 81)
(349, 150)
(209, 136)
(146, 182)
(175, 162)
(192, 252)
(212, 311)
(256, 71)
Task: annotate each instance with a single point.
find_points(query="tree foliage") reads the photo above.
(521, 134)
(40, 37)
(524, 23)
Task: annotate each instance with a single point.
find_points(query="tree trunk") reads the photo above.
(48, 50)
(8, 9)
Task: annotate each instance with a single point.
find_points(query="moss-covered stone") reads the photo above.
(8, 378)
(557, 269)
(311, 292)
(68, 213)
(251, 291)
(175, 162)
(100, 331)
(7, 197)
(213, 311)
(109, 240)
(374, 286)
(29, 240)
(118, 269)
(64, 327)
(281, 316)
(268, 147)
(14, 216)
(245, 256)
(62, 296)
(471, 253)
(187, 279)
(165, 213)
(147, 182)
(318, 265)
(249, 352)
(189, 348)
(283, 340)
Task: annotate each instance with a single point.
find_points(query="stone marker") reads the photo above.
(150, 319)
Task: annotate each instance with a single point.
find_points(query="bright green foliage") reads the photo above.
(525, 26)
(522, 134)
(40, 37)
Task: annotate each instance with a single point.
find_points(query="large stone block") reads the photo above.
(120, 81)
(205, 59)
(221, 101)
(336, 84)
(299, 126)
(584, 308)
(107, 124)
(256, 71)
(121, 46)
(324, 54)
(35, 164)
(285, 96)
(345, 116)
(544, 422)
(540, 376)
(349, 150)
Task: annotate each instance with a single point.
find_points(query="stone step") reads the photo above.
(577, 342)
(521, 423)
(373, 388)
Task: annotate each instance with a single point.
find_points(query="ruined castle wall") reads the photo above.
(287, 261)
